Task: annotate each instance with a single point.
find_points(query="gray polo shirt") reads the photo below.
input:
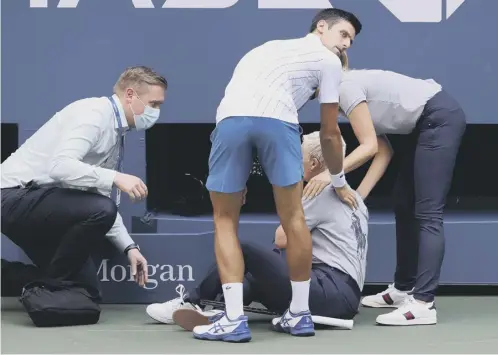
(395, 101)
(340, 236)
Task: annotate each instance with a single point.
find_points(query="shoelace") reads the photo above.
(180, 289)
(182, 294)
(407, 302)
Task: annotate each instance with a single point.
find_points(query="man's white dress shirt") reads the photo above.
(77, 148)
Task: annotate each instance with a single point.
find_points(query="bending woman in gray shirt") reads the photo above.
(383, 102)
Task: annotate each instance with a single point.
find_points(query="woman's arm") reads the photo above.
(377, 168)
(364, 130)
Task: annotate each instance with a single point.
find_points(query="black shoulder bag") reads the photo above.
(53, 303)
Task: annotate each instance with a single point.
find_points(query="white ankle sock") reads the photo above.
(234, 305)
(300, 296)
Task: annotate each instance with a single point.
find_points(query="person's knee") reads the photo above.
(428, 216)
(226, 210)
(294, 222)
(288, 201)
(430, 208)
(291, 214)
(403, 209)
(104, 210)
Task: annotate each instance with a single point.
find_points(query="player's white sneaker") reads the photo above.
(299, 324)
(411, 312)
(224, 329)
(163, 312)
(390, 298)
(188, 319)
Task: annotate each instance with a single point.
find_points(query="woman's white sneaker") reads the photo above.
(163, 312)
(411, 313)
(390, 298)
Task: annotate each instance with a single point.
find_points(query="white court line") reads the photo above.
(446, 222)
(262, 222)
(176, 234)
(371, 222)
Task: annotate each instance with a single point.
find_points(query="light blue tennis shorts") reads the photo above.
(234, 139)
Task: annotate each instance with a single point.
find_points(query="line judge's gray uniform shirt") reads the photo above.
(395, 101)
(340, 236)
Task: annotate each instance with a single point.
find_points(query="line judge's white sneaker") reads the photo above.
(163, 312)
(411, 312)
(389, 298)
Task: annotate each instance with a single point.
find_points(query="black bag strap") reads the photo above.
(55, 284)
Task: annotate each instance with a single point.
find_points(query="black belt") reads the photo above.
(29, 185)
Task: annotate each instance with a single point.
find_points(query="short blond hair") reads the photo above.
(136, 77)
(312, 145)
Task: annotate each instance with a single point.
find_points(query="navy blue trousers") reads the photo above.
(57, 229)
(420, 194)
(332, 292)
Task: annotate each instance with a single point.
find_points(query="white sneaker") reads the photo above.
(224, 329)
(163, 312)
(299, 324)
(390, 298)
(188, 319)
(411, 313)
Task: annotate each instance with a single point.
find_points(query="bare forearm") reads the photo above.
(332, 151)
(330, 137)
(358, 157)
(377, 168)
(364, 130)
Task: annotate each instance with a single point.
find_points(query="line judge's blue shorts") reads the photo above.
(234, 139)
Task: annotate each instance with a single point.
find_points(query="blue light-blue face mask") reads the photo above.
(147, 119)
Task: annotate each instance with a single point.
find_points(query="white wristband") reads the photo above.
(338, 180)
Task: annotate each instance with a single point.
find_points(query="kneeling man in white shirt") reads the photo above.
(56, 187)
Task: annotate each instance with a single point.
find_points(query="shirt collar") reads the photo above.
(121, 114)
(314, 38)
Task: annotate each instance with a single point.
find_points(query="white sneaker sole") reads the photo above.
(159, 318)
(404, 322)
(188, 319)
